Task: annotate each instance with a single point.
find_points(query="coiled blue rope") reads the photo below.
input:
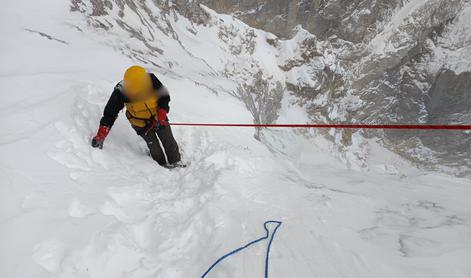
(267, 256)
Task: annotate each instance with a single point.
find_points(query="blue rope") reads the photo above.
(267, 236)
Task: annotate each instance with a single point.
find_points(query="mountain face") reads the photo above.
(362, 61)
(393, 61)
(348, 20)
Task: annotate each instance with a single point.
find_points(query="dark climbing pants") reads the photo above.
(171, 150)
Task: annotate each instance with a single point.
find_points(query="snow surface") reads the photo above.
(68, 210)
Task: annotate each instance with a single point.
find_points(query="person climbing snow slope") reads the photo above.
(147, 103)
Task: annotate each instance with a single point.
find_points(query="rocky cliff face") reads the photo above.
(347, 19)
(361, 61)
(390, 66)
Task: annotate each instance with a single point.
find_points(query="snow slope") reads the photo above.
(68, 210)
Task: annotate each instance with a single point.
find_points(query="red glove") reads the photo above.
(162, 117)
(97, 141)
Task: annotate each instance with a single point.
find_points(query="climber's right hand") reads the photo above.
(97, 141)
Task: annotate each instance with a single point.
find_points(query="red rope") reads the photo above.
(338, 126)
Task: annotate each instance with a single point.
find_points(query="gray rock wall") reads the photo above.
(351, 20)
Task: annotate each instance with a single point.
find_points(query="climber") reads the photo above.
(146, 100)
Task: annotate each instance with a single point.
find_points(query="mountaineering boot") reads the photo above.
(175, 165)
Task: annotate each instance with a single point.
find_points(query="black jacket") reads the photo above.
(117, 99)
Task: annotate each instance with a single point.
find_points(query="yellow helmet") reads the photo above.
(137, 81)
